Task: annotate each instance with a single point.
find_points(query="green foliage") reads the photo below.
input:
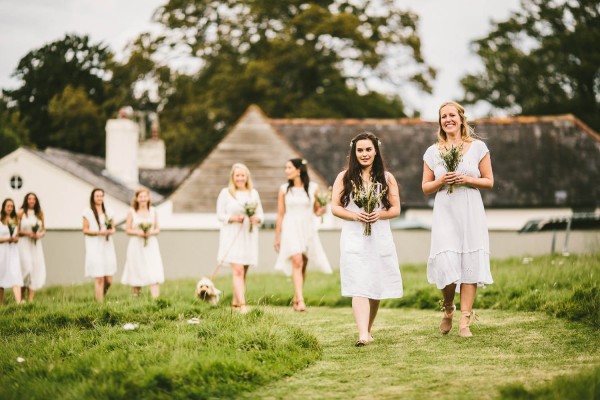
(585, 385)
(293, 59)
(12, 131)
(74, 348)
(543, 60)
(47, 71)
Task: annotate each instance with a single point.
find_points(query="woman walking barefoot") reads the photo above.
(368, 263)
(32, 228)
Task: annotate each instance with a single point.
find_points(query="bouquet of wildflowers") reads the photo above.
(36, 228)
(145, 227)
(12, 225)
(108, 223)
(450, 159)
(324, 198)
(367, 197)
(250, 210)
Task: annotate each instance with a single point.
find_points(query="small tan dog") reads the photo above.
(206, 291)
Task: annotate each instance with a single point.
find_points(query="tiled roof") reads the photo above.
(543, 161)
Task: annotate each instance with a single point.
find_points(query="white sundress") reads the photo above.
(460, 251)
(299, 233)
(31, 253)
(237, 245)
(143, 264)
(100, 256)
(10, 265)
(369, 264)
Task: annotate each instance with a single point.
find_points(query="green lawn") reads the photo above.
(538, 337)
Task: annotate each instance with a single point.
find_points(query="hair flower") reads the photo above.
(351, 144)
(304, 162)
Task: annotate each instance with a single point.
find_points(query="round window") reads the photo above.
(16, 182)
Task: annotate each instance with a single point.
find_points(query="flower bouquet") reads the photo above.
(368, 197)
(250, 210)
(145, 227)
(35, 229)
(12, 225)
(324, 198)
(450, 159)
(108, 223)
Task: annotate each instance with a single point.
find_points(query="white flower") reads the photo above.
(194, 321)
(130, 327)
(20, 359)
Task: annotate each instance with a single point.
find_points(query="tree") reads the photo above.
(292, 58)
(77, 123)
(542, 60)
(46, 72)
(12, 132)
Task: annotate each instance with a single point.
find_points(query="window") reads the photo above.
(16, 182)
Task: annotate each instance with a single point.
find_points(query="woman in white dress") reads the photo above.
(33, 229)
(459, 259)
(369, 267)
(296, 237)
(143, 264)
(100, 256)
(10, 265)
(238, 239)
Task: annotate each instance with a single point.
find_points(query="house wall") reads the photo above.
(192, 253)
(62, 196)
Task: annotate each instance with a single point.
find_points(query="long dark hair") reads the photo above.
(354, 169)
(93, 206)
(37, 209)
(3, 214)
(300, 164)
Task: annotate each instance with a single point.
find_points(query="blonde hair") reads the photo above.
(232, 188)
(134, 202)
(466, 131)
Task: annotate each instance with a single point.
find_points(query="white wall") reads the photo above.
(62, 196)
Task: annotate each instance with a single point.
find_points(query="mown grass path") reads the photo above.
(410, 359)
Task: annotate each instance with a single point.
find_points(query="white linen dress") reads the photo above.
(369, 264)
(31, 253)
(10, 264)
(100, 256)
(237, 245)
(143, 264)
(460, 250)
(299, 233)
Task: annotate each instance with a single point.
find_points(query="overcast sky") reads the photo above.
(446, 29)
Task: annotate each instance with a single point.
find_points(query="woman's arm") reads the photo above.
(129, 229)
(393, 195)
(338, 209)
(486, 181)
(280, 213)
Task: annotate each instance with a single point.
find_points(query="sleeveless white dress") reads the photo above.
(237, 245)
(369, 264)
(143, 264)
(33, 265)
(299, 233)
(10, 264)
(460, 250)
(100, 256)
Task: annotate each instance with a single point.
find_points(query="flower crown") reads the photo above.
(378, 143)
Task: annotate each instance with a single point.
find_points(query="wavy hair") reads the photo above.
(134, 202)
(466, 131)
(232, 188)
(37, 209)
(300, 164)
(353, 172)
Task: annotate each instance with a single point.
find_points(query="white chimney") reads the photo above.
(122, 150)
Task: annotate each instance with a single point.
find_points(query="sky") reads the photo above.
(446, 30)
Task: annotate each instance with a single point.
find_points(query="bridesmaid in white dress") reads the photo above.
(459, 259)
(143, 264)
(100, 256)
(10, 265)
(368, 264)
(238, 239)
(296, 237)
(33, 228)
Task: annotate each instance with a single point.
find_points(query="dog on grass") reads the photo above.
(206, 291)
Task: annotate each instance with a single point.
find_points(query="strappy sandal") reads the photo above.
(361, 343)
(467, 318)
(446, 322)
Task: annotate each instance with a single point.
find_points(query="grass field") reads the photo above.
(538, 338)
